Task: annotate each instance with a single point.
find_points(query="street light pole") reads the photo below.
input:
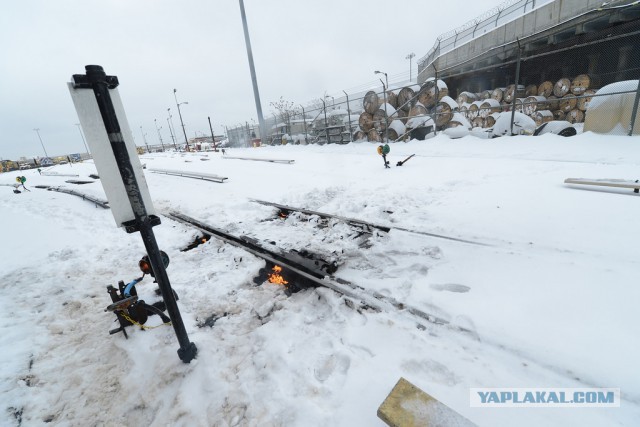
(159, 134)
(186, 141)
(410, 57)
(171, 126)
(171, 133)
(82, 136)
(254, 80)
(43, 149)
(144, 138)
(213, 137)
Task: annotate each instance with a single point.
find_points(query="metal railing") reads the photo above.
(499, 15)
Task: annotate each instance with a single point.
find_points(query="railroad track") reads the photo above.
(315, 272)
(102, 203)
(365, 297)
(363, 224)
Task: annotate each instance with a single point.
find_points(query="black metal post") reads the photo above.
(515, 87)
(634, 111)
(97, 80)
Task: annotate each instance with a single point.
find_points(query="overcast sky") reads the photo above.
(302, 49)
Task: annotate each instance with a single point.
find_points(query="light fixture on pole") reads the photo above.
(186, 141)
(410, 57)
(40, 138)
(386, 78)
(82, 136)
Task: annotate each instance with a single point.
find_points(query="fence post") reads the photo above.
(435, 109)
(634, 111)
(304, 120)
(326, 126)
(515, 88)
(349, 112)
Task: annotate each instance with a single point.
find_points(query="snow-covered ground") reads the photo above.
(550, 301)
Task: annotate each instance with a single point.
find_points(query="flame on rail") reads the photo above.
(276, 276)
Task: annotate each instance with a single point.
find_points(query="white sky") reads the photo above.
(302, 50)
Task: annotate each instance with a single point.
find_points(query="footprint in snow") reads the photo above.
(451, 287)
(326, 366)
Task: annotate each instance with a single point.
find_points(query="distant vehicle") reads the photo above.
(63, 162)
(46, 161)
(75, 157)
(24, 166)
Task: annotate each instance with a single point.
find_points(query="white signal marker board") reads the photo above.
(95, 133)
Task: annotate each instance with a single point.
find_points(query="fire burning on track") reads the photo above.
(276, 276)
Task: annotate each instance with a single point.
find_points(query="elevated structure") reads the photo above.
(559, 38)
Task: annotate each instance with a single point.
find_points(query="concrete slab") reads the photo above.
(408, 406)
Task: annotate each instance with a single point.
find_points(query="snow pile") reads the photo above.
(610, 111)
